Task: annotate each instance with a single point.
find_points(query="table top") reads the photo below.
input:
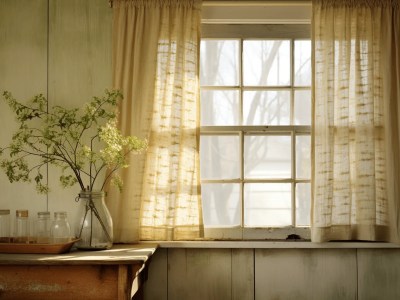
(118, 254)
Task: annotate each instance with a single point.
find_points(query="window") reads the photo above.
(255, 145)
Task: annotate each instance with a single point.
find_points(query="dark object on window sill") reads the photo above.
(294, 237)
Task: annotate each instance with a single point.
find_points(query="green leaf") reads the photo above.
(82, 140)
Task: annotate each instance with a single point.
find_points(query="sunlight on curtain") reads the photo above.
(356, 126)
(156, 47)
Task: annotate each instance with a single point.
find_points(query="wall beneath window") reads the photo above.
(274, 274)
(62, 49)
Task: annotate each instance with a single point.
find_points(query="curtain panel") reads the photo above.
(356, 128)
(156, 66)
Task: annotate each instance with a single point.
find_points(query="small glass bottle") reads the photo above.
(60, 228)
(42, 227)
(21, 226)
(4, 225)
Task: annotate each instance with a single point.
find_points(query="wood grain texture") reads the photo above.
(378, 274)
(320, 274)
(23, 50)
(199, 274)
(107, 274)
(59, 282)
(305, 274)
(79, 50)
(59, 46)
(120, 254)
(23, 72)
(234, 269)
(155, 288)
(79, 67)
(242, 274)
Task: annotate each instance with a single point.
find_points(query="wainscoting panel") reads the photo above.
(199, 274)
(379, 274)
(80, 46)
(242, 274)
(305, 274)
(276, 274)
(23, 72)
(23, 48)
(62, 49)
(155, 286)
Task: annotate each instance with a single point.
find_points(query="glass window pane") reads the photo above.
(302, 63)
(219, 108)
(219, 157)
(303, 204)
(221, 204)
(267, 156)
(267, 204)
(219, 62)
(303, 157)
(266, 63)
(266, 107)
(302, 107)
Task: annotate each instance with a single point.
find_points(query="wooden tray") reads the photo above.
(37, 248)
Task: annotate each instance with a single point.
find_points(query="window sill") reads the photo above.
(274, 245)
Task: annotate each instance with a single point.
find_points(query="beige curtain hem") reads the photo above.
(177, 233)
(349, 233)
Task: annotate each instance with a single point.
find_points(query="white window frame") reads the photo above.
(256, 12)
(218, 14)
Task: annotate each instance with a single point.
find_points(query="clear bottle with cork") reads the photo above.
(42, 227)
(21, 226)
(60, 228)
(5, 235)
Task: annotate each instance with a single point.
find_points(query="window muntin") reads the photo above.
(255, 136)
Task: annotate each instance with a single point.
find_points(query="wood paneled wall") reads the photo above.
(23, 71)
(62, 49)
(274, 274)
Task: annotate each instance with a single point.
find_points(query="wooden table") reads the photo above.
(109, 274)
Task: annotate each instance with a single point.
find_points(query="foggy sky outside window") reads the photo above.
(249, 83)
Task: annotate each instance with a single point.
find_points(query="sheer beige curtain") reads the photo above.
(356, 170)
(155, 55)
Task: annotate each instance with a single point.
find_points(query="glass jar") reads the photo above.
(60, 229)
(95, 226)
(4, 225)
(21, 226)
(42, 227)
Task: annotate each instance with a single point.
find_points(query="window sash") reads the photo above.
(243, 232)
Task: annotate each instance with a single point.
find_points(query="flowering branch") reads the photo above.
(81, 141)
